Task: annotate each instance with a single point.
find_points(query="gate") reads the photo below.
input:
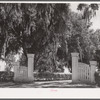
(81, 72)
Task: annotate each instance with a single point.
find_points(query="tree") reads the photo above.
(56, 20)
(88, 11)
(35, 26)
(79, 39)
(5, 23)
(39, 28)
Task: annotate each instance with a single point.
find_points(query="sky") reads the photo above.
(95, 20)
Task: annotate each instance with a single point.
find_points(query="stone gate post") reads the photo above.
(75, 57)
(93, 65)
(30, 66)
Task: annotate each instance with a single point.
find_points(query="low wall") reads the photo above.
(21, 74)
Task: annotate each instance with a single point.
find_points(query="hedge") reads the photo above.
(8, 76)
(97, 78)
(51, 76)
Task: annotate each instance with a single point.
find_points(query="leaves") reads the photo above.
(89, 10)
(38, 28)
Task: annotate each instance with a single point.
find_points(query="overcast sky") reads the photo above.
(95, 20)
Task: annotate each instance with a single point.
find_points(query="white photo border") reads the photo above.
(48, 93)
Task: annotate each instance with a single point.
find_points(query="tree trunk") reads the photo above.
(25, 53)
(4, 50)
(54, 55)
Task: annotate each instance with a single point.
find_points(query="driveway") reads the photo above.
(46, 84)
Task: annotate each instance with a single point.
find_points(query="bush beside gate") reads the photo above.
(51, 76)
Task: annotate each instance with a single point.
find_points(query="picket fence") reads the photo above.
(84, 72)
(81, 72)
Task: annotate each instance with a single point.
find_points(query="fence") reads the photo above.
(81, 72)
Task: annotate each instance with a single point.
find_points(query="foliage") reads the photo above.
(88, 11)
(89, 37)
(97, 78)
(48, 56)
(33, 26)
(51, 76)
(79, 39)
(6, 76)
(39, 28)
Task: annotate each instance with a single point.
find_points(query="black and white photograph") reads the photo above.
(50, 45)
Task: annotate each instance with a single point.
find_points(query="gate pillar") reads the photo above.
(93, 65)
(75, 57)
(16, 66)
(30, 66)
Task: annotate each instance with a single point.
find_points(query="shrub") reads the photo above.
(97, 78)
(6, 76)
(52, 76)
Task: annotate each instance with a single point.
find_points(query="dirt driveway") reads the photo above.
(46, 84)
